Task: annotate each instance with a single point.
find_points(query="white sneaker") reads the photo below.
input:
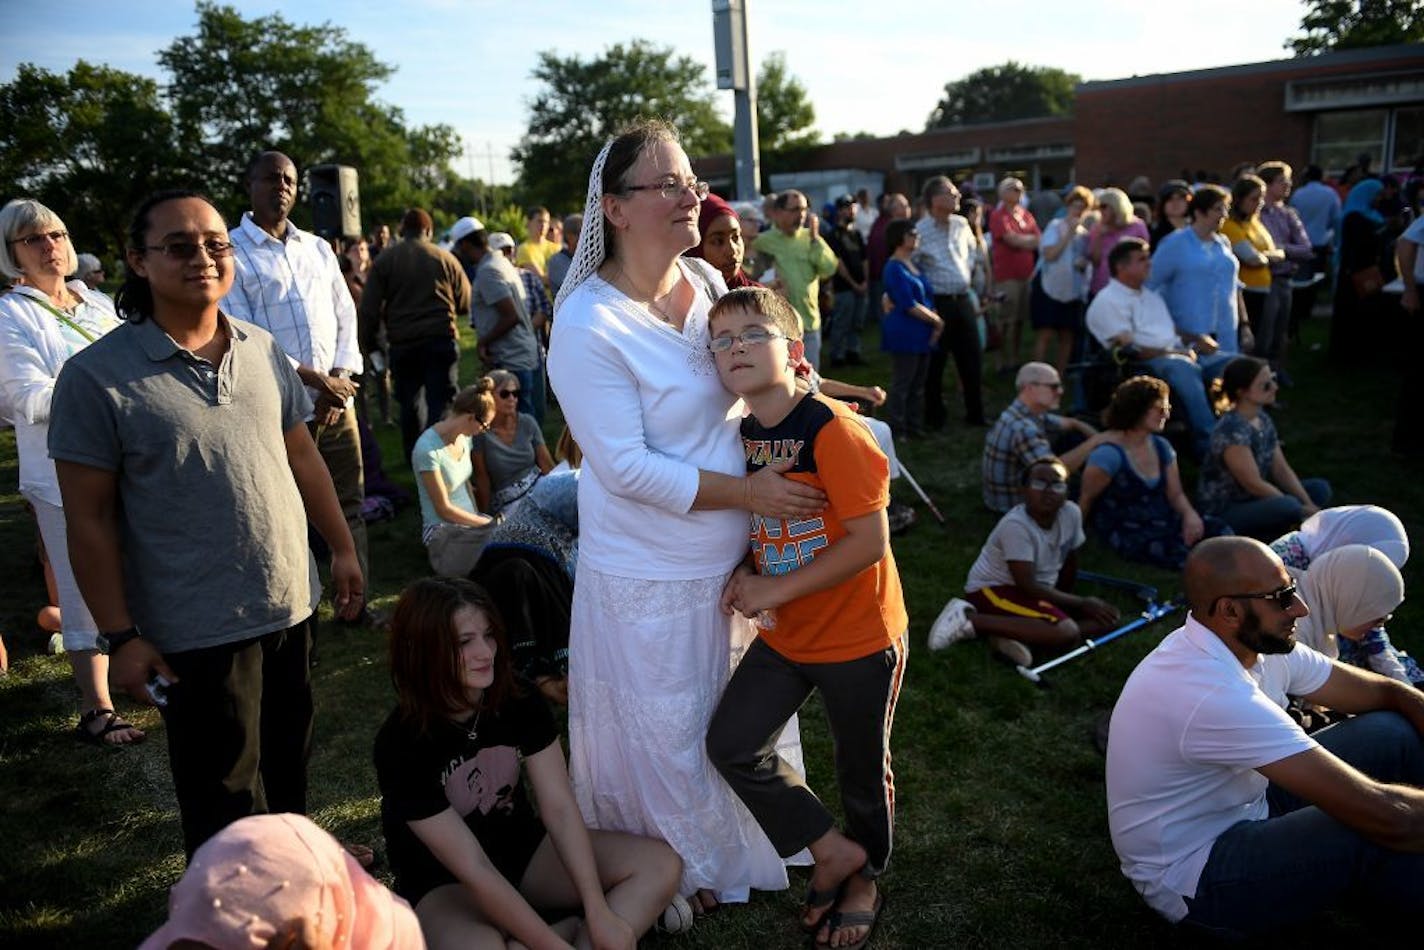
(677, 918)
(952, 624)
(1012, 650)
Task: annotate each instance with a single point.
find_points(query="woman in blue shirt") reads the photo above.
(908, 332)
(1197, 274)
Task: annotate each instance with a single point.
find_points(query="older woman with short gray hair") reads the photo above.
(43, 322)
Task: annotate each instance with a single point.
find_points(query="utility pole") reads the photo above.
(729, 36)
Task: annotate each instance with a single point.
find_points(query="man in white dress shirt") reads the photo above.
(1127, 313)
(1225, 815)
(289, 283)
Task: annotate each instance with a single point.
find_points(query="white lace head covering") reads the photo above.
(589, 253)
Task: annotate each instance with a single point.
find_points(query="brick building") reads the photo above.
(1323, 109)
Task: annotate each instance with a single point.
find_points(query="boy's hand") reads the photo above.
(756, 593)
(1100, 611)
(732, 590)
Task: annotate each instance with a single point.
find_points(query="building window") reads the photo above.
(1408, 138)
(1341, 136)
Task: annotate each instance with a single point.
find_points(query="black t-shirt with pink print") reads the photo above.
(420, 775)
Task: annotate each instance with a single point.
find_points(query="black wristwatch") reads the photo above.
(109, 643)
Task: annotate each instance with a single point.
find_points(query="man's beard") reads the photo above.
(1254, 636)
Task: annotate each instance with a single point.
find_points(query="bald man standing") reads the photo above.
(1226, 816)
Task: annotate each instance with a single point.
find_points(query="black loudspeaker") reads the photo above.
(335, 202)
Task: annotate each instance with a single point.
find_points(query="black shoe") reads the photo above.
(854, 359)
(837, 362)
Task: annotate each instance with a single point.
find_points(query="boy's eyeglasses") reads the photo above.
(509, 394)
(1039, 484)
(753, 337)
(187, 250)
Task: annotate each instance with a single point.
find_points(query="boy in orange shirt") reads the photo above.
(833, 618)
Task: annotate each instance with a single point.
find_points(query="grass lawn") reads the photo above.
(1001, 833)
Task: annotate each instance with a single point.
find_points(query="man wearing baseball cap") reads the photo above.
(500, 311)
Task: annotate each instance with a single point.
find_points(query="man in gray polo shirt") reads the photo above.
(499, 314)
(189, 476)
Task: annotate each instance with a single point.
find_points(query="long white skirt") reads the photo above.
(648, 661)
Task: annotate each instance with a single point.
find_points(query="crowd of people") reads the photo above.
(709, 542)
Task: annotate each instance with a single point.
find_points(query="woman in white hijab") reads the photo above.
(663, 505)
(1327, 530)
(1331, 529)
(1351, 592)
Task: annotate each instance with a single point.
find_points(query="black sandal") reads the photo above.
(83, 733)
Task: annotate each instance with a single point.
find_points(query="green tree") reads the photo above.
(1001, 93)
(89, 144)
(239, 86)
(786, 120)
(585, 101)
(1351, 24)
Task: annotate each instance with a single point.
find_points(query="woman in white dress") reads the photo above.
(44, 322)
(663, 512)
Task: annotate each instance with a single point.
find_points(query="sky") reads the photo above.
(468, 62)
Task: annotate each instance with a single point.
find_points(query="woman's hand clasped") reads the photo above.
(771, 494)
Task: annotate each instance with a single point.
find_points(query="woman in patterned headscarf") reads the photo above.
(663, 502)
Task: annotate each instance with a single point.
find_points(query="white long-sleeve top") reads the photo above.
(647, 409)
(34, 343)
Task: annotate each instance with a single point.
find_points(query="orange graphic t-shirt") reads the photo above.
(834, 451)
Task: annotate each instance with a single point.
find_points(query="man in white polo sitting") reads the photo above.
(1225, 815)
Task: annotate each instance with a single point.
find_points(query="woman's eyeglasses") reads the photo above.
(187, 250)
(508, 394)
(35, 240)
(672, 187)
(753, 337)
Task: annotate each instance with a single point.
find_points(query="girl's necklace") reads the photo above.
(472, 728)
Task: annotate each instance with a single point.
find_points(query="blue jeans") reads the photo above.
(532, 400)
(847, 320)
(424, 375)
(1263, 875)
(1188, 381)
(812, 340)
(1268, 518)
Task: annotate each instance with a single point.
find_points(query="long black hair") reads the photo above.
(134, 301)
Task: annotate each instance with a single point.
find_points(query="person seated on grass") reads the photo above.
(1132, 489)
(467, 849)
(509, 453)
(1019, 588)
(1225, 815)
(1245, 479)
(1020, 436)
(279, 881)
(833, 620)
(1333, 528)
(528, 567)
(1351, 592)
(452, 527)
(1133, 321)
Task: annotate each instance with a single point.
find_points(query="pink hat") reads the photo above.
(263, 871)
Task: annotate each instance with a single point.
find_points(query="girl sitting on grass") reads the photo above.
(468, 850)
